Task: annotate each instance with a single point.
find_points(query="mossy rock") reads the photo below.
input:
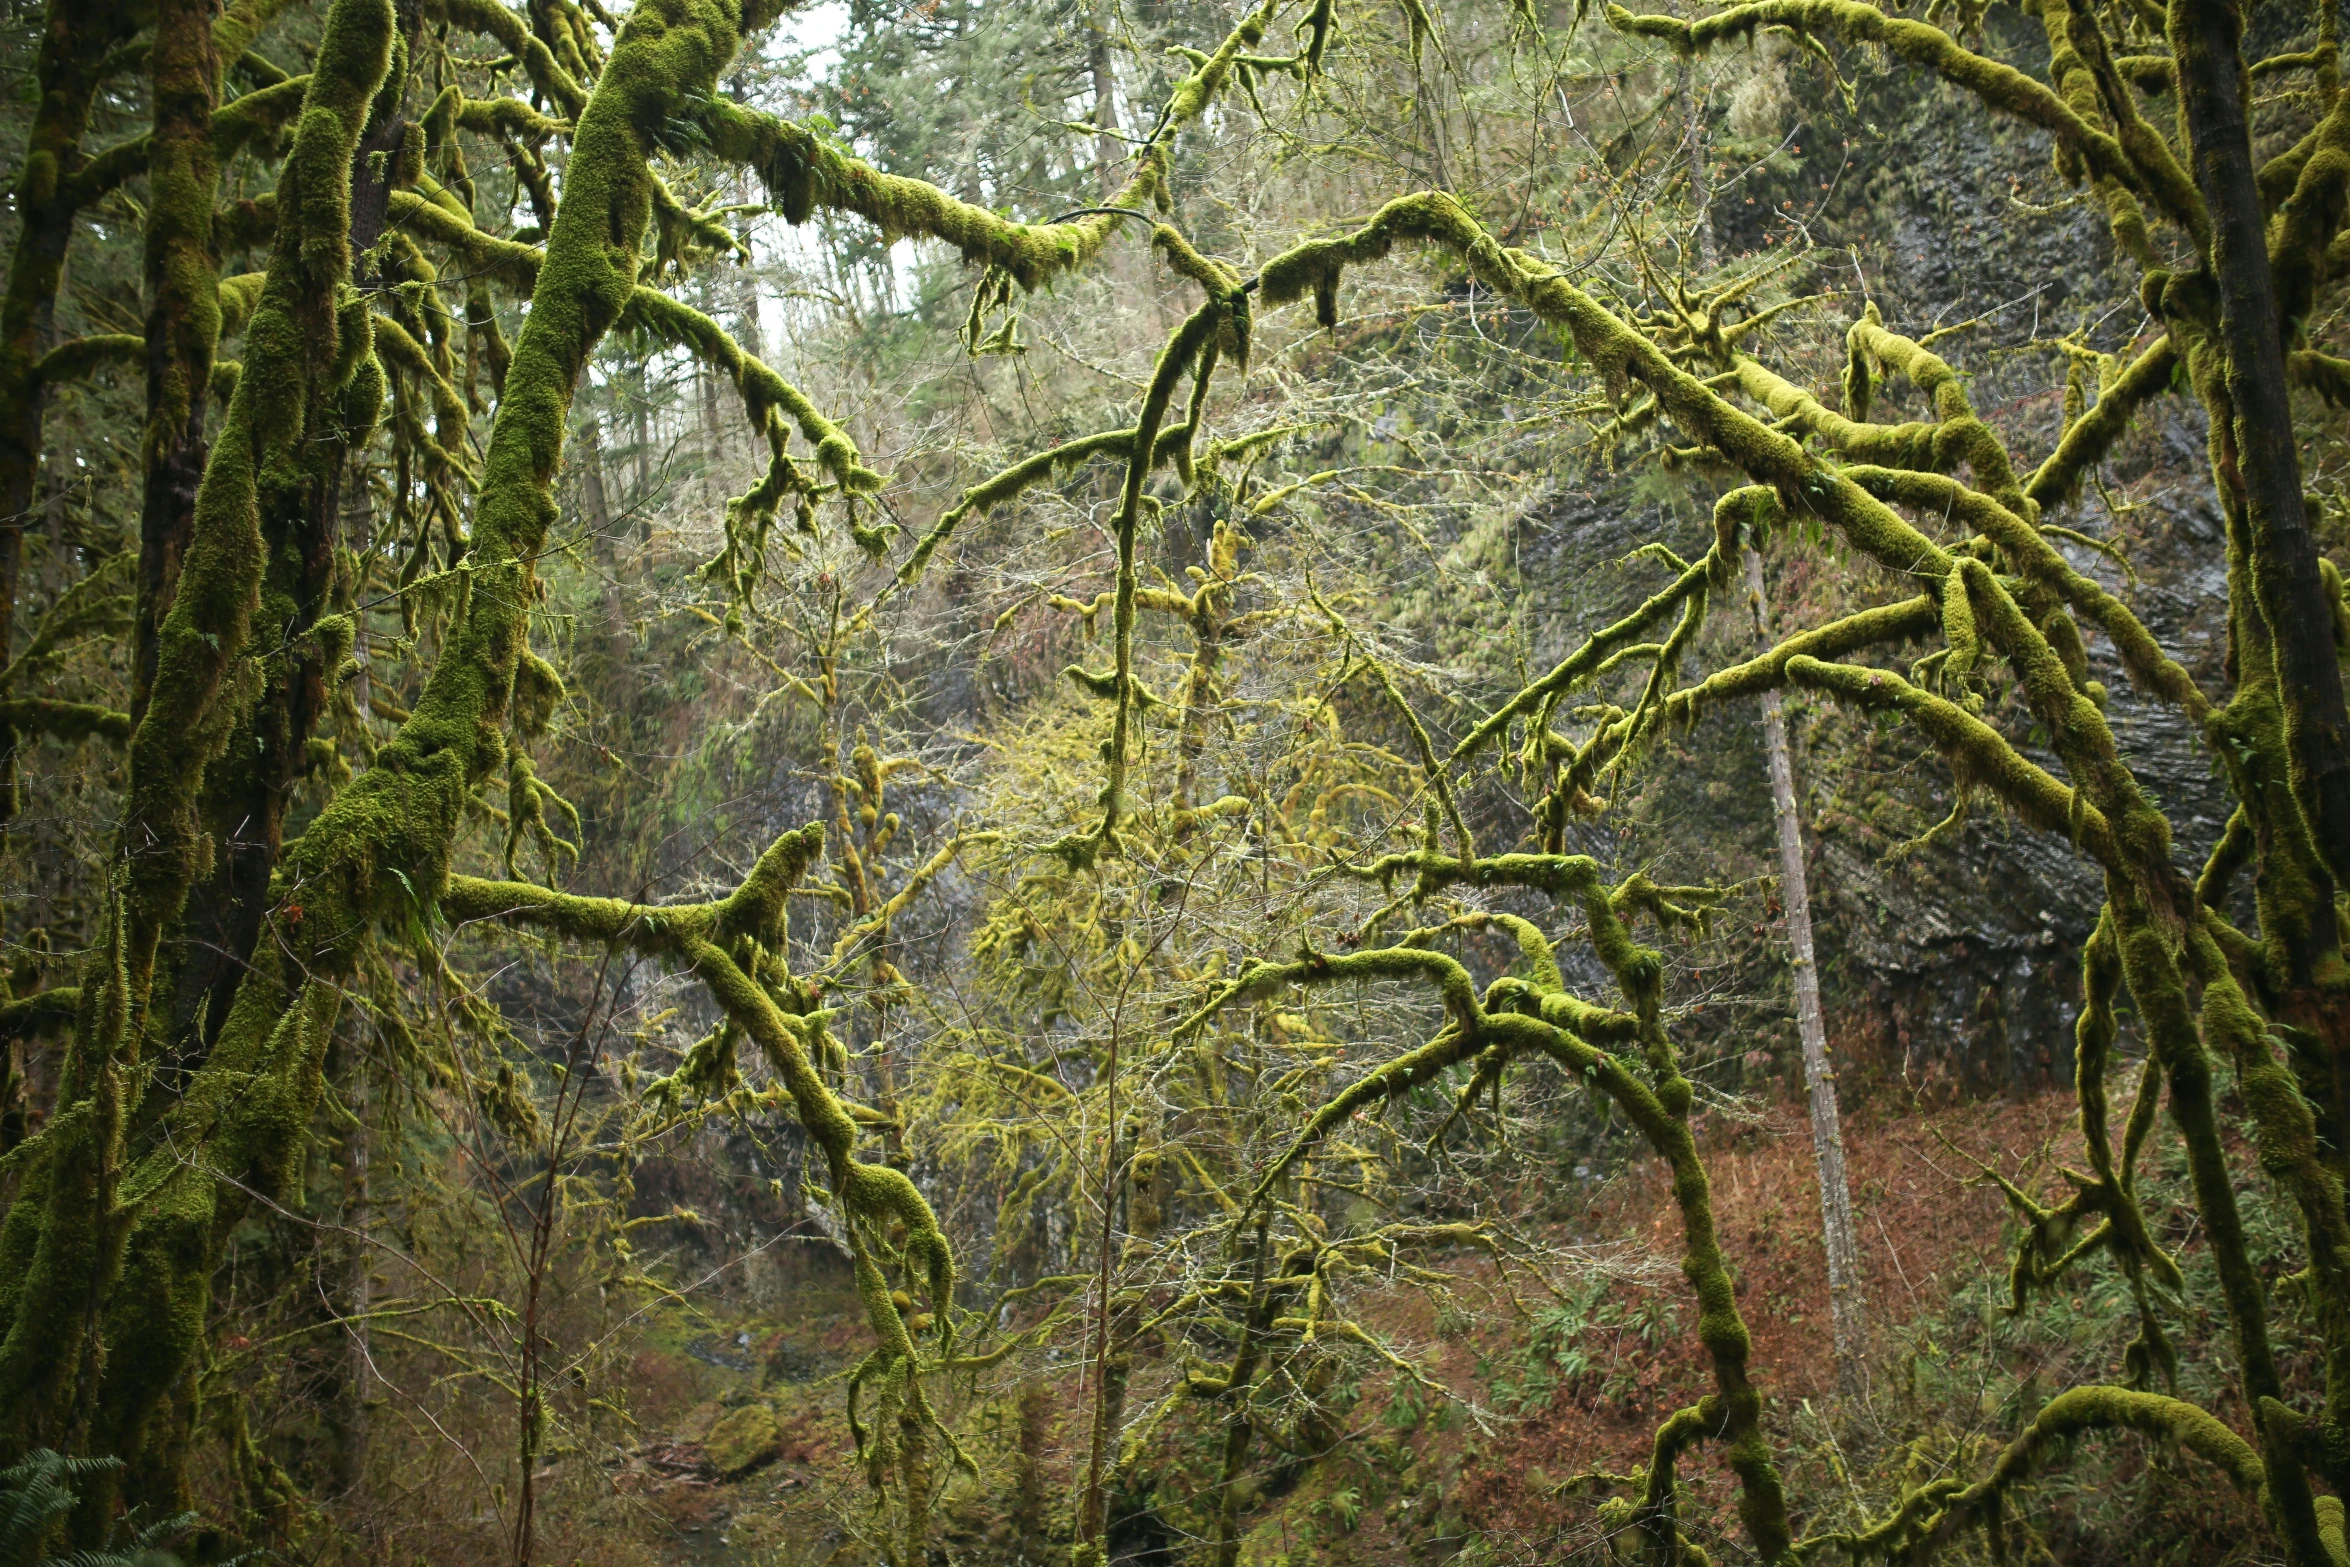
(743, 1440)
(695, 1425)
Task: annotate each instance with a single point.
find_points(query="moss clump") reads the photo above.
(743, 1440)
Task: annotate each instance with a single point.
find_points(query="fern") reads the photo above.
(36, 1493)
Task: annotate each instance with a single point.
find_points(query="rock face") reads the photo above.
(1953, 966)
(1961, 961)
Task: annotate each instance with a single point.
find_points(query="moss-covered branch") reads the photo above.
(78, 357)
(2029, 551)
(735, 946)
(805, 171)
(2088, 439)
(42, 1012)
(65, 720)
(1941, 1509)
(1999, 86)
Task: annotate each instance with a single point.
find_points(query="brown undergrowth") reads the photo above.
(1922, 1242)
(1428, 1483)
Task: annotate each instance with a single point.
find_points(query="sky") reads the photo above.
(818, 27)
(815, 27)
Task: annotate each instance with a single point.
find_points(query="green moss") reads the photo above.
(78, 357)
(1944, 1507)
(1191, 342)
(401, 815)
(82, 1232)
(1518, 1017)
(734, 948)
(770, 403)
(2030, 553)
(744, 1439)
(493, 19)
(64, 720)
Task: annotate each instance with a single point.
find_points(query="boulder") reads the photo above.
(742, 1440)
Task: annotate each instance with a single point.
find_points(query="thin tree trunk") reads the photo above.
(1028, 1500)
(1109, 155)
(713, 441)
(1701, 184)
(1109, 1371)
(602, 543)
(359, 533)
(359, 1284)
(743, 284)
(1239, 1431)
(359, 1147)
(1846, 1303)
(640, 499)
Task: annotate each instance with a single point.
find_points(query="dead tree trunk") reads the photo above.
(1847, 1307)
(1109, 154)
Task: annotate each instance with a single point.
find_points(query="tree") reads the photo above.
(1846, 1300)
(231, 930)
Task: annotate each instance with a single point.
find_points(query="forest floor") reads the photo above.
(748, 1458)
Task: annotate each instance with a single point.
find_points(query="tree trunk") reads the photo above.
(358, 1276)
(248, 789)
(1109, 156)
(74, 40)
(183, 313)
(713, 485)
(2206, 38)
(1028, 1501)
(1846, 1303)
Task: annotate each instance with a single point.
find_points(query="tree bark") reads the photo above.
(1109, 155)
(183, 312)
(248, 789)
(2206, 38)
(75, 39)
(1847, 1303)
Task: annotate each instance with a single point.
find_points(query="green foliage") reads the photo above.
(36, 1494)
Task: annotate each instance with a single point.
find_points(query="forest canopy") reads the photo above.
(1020, 780)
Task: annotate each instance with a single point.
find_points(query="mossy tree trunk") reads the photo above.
(249, 787)
(183, 311)
(2260, 457)
(76, 40)
(94, 1349)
